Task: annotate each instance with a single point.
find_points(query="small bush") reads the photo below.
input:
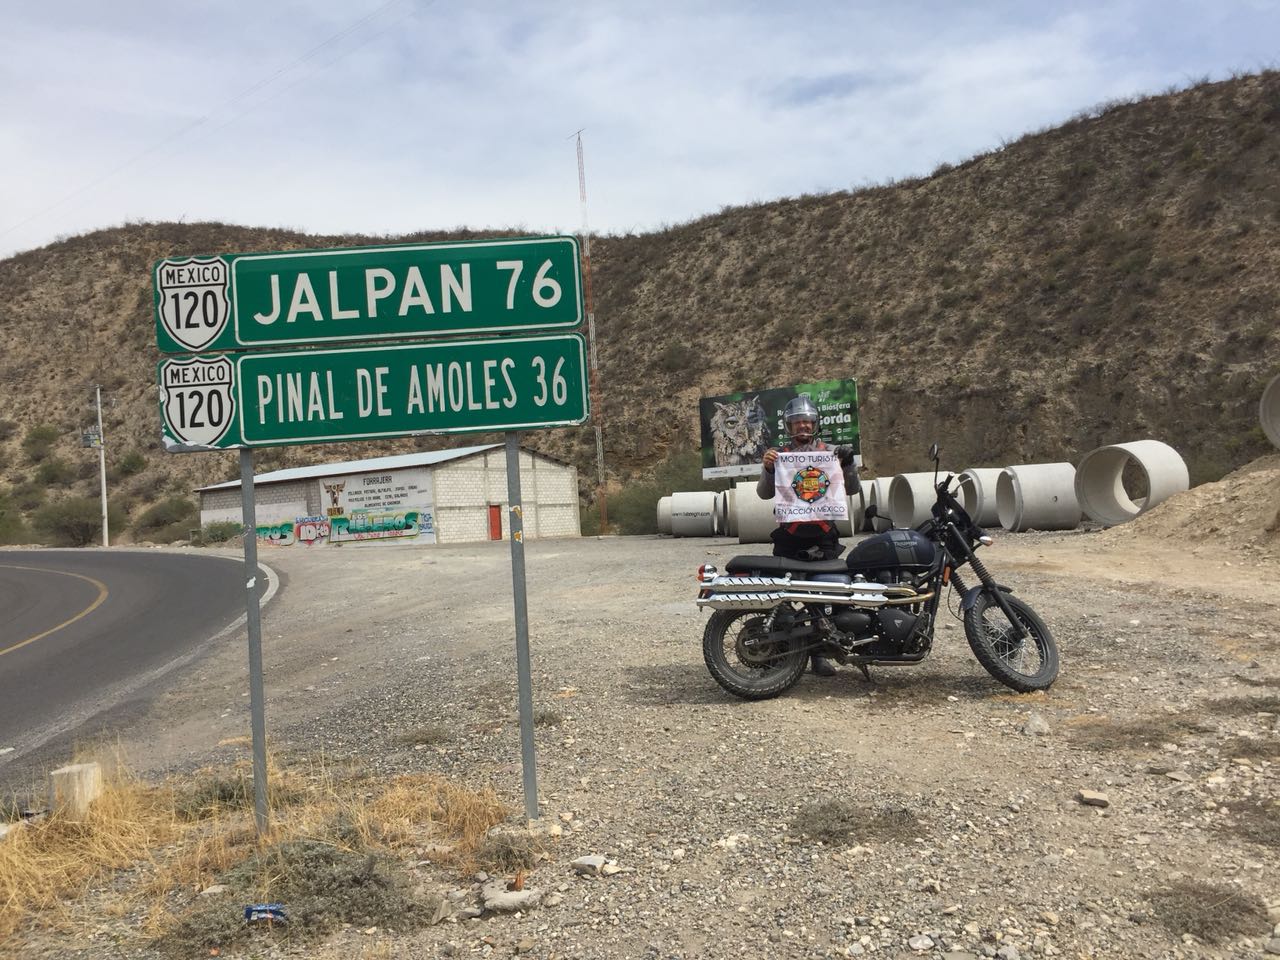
(55, 472)
(220, 531)
(676, 357)
(1208, 912)
(167, 521)
(840, 822)
(27, 496)
(39, 441)
(75, 522)
(131, 463)
(13, 528)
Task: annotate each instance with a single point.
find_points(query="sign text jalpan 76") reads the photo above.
(317, 396)
(410, 291)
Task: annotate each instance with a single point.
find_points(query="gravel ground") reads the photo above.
(931, 812)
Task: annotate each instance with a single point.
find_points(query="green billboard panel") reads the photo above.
(406, 291)
(737, 428)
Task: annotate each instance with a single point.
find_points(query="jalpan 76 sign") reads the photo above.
(407, 291)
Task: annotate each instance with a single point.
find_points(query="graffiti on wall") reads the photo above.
(276, 534)
(311, 531)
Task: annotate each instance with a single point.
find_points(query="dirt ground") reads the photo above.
(1167, 703)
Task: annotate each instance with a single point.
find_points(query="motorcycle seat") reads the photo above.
(780, 566)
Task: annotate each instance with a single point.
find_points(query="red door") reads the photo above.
(495, 521)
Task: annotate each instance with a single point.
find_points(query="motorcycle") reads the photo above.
(877, 607)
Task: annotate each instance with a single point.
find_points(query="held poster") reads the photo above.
(737, 428)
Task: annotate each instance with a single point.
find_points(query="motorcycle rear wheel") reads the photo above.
(1026, 665)
(744, 662)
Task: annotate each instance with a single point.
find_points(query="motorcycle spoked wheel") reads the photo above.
(744, 662)
(1026, 665)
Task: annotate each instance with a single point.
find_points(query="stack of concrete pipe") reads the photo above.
(664, 516)
(1269, 410)
(1037, 496)
(1099, 483)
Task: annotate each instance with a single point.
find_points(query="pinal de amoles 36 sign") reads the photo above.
(406, 291)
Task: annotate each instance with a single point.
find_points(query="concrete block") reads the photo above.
(73, 788)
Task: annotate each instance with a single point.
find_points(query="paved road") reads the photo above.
(82, 630)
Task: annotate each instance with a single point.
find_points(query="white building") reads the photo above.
(446, 496)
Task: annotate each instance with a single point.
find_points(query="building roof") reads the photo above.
(430, 458)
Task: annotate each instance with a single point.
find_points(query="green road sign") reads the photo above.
(240, 301)
(319, 396)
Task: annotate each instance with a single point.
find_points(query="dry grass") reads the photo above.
(1254, 821)
(332, 855)
(55, 858)
(1103, 733)
(427, 735)
(1206, 911)
(839, 822)
(1249, 749)
(1243, 706)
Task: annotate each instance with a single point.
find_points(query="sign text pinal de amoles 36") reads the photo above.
(268, 398)
(406, 291)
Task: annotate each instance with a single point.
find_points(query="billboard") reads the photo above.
(737, 428)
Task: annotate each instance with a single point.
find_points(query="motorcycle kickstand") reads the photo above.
(866, 672)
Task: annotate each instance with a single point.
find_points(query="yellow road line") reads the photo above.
(102, 595)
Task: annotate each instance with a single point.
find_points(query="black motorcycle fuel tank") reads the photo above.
(902, 549)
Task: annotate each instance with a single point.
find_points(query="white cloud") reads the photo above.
(433, 115)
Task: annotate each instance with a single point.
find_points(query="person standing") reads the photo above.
(806, 539)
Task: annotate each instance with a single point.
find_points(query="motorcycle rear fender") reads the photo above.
(971, 595)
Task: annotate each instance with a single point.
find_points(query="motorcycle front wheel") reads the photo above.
(1025, 665)
(744, 661)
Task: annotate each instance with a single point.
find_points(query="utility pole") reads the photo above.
(102, 464)
(594, 361)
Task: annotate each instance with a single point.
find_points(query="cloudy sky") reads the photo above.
(387, 116)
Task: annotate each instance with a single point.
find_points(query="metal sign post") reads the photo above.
(238, 389)
(254, 624)
(524, 672)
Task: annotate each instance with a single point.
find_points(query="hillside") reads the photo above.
(1109, 279)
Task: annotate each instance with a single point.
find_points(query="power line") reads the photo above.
(182, 131)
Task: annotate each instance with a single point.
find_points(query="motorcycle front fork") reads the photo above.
(1019, 631)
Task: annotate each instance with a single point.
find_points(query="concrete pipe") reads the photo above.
(1037, 496)
(880, 497)
(693, 514)
(721, 517)
(977, 494)
(1269, 410)
(664, 516)
(911, 498)
(754, 516)
(844, 528)
(864, 497)
(730, 518)
(1099, 483)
